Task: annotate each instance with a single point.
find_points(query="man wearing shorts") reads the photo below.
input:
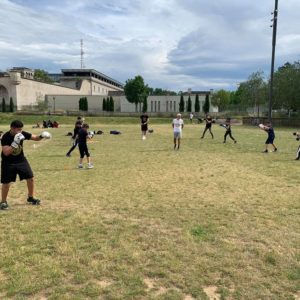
(177, 130)
(15, 163)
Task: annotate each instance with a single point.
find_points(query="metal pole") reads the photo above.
(275, 14)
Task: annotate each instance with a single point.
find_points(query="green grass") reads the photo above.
(148, 222)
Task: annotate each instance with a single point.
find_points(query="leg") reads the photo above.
(297, 154)
(174, 142)
(5, 189)
(230, 135)
(274, 147)
(225, 136)
(30, 186)
(178, 144)
(212, 136)
(203, 134)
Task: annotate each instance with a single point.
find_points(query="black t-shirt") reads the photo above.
(18, 154)
(144, 119)
(76, 130)
(82, 135)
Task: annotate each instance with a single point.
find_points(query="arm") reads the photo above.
(7, 150)
(36, 137)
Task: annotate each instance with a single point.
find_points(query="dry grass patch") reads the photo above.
(150, 222)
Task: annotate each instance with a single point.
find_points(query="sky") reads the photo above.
(172, 44)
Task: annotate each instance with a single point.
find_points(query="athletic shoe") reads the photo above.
(4, 206)
(80, 166)
(224, 142)
(33, 201)
(143, 138)
(235, 142)
(174, 146)
(90, 166)
(275, 150)
(265, 151)
(297, 158)
(68, 155)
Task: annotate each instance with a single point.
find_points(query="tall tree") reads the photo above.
(206, 104)
(181, 104)
(197, 104)
(11, 105)
(42, 75)
(221, 99)
(145, 104)
(135, 90)
(189, 104)
(104, 105)
(111, 104)
(3, 105)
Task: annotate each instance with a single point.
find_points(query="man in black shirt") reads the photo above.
(77, 127)
(144, 125)
(15, 163)
(83, 135)
(208, 125)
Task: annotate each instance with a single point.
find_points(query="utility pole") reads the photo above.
(81, 54)
(274, 25)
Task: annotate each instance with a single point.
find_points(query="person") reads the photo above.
(228, 131)
(177, 125)
(271, 136)
(77, 127)
(297, 134)
(83, 135)
(55, 124)
(208, 120)
(15, 163)
(191, 117)
(144, 124)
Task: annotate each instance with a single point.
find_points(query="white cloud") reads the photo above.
(173, 44)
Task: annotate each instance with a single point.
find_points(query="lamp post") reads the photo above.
(275, 15)
(53, 104)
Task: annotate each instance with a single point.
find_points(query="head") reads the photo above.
(78, 123)
(85, 126)
(268, 123)
(178, 116)
(16, 126)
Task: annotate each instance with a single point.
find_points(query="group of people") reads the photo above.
(15, 163)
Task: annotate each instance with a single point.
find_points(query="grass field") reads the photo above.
(210, 221)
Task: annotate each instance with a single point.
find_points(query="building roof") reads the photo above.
(90, 73)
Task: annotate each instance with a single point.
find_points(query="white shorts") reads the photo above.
(177, 135)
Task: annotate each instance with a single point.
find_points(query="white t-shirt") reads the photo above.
(177, 125)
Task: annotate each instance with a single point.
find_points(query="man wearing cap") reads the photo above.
(177, 125)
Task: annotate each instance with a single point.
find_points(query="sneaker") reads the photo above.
(275, 150)
(80, 166)
(33, 201)
(297, 158)
(68, 155)
(4, 205)
(144, 137)
(174, 146)
(90, 166)
(265, 151)
(235, 142)
(224, 142)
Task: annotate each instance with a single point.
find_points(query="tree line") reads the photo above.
(254, 92)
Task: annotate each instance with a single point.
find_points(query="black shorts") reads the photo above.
(144, 127)
(270, 140)
(9, 171)
(83, 149)
(208, 125)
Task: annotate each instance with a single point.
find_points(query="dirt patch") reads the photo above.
(188, 297)
(103, 283)
(211, 292)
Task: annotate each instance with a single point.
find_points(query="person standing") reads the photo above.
(83, 135)
(271, 136)
(144, 124)
(15, 163)
(177, 125)
(227, 126)
(208, 126)
(191, 117)
(77, 127)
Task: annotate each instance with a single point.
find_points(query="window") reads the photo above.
(155, 106)
(167, 106)
(174, 106)
(158, 106)
(151, 106)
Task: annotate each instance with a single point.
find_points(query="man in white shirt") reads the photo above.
(177, 129)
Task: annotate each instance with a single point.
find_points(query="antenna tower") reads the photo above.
(81, 54)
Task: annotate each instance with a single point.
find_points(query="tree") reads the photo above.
(181, 104)
(145, 104)
(287, 87)
(206, 104)
(11, 105)
(3, 105)
(42, 76)
(253, 92)
(189, 105)
(86, 105)
(221, 99)
(104, 105)
(197, 104)
(111, 103)
(135, 90)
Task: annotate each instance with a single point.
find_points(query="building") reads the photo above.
(19, 85)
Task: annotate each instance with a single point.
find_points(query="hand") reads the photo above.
(19, 137)
(45, 135)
